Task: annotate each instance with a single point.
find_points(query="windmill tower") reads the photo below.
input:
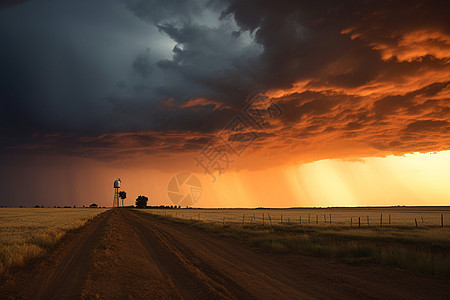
(116, 202)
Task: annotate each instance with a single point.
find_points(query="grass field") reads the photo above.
(26, 233)
(394, 216)
(425, 249)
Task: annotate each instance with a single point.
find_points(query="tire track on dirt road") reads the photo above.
(62, 273)
(285, 276)
(67, 279)
(192, 279)
(123, 268)
(225, 261)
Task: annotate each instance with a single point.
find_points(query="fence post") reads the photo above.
(415, 220)
(330, 218)
(317, 219)
(300, 219)
(263, 218)
(325, 218)
(368, 221)
(389, 219)
(223, 221)
(381, 220)
(359, 222)
(351, 222)
(270, 219)
(442, 220)
(242, 219)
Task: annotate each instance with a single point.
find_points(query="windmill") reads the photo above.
(116, 202)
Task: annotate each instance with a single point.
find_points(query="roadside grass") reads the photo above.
(363, 216)
(27, 233)
(422, 250)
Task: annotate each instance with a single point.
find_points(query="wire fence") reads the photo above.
(314, 217)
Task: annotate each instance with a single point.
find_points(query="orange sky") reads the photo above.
(284, 104)
(412, 179)
(350, 150)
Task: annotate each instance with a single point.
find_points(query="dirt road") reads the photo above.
(129, 254)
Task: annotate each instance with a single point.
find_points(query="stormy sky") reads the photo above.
(116, 80)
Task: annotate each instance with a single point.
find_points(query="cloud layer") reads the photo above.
(351, 79)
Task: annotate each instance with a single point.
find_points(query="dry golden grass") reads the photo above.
(394, 216)
(424, 249)
(26, 233)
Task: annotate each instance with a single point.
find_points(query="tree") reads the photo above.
(122, 195)
(141, 202)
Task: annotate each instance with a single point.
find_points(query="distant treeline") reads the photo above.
(165, 207)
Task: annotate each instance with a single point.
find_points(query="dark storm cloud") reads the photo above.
(304, 40)
(142, 64)
(371, 71)
(359, 71)
(428, 125)
(415, 121)
(395, 104)
(8, 3)
(207, 60)
(162, 10)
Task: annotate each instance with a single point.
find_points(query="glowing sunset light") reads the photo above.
(268, 104)
(413, 179)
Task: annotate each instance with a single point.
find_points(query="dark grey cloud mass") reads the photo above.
(87, 68)
(77, 69)
(8, 3)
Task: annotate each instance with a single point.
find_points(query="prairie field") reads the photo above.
(26, 233)
(422, 248)
(364, 217)
(127, 253)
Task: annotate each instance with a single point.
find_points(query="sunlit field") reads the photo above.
(26, 233)
(356, 217)
(423, 248)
